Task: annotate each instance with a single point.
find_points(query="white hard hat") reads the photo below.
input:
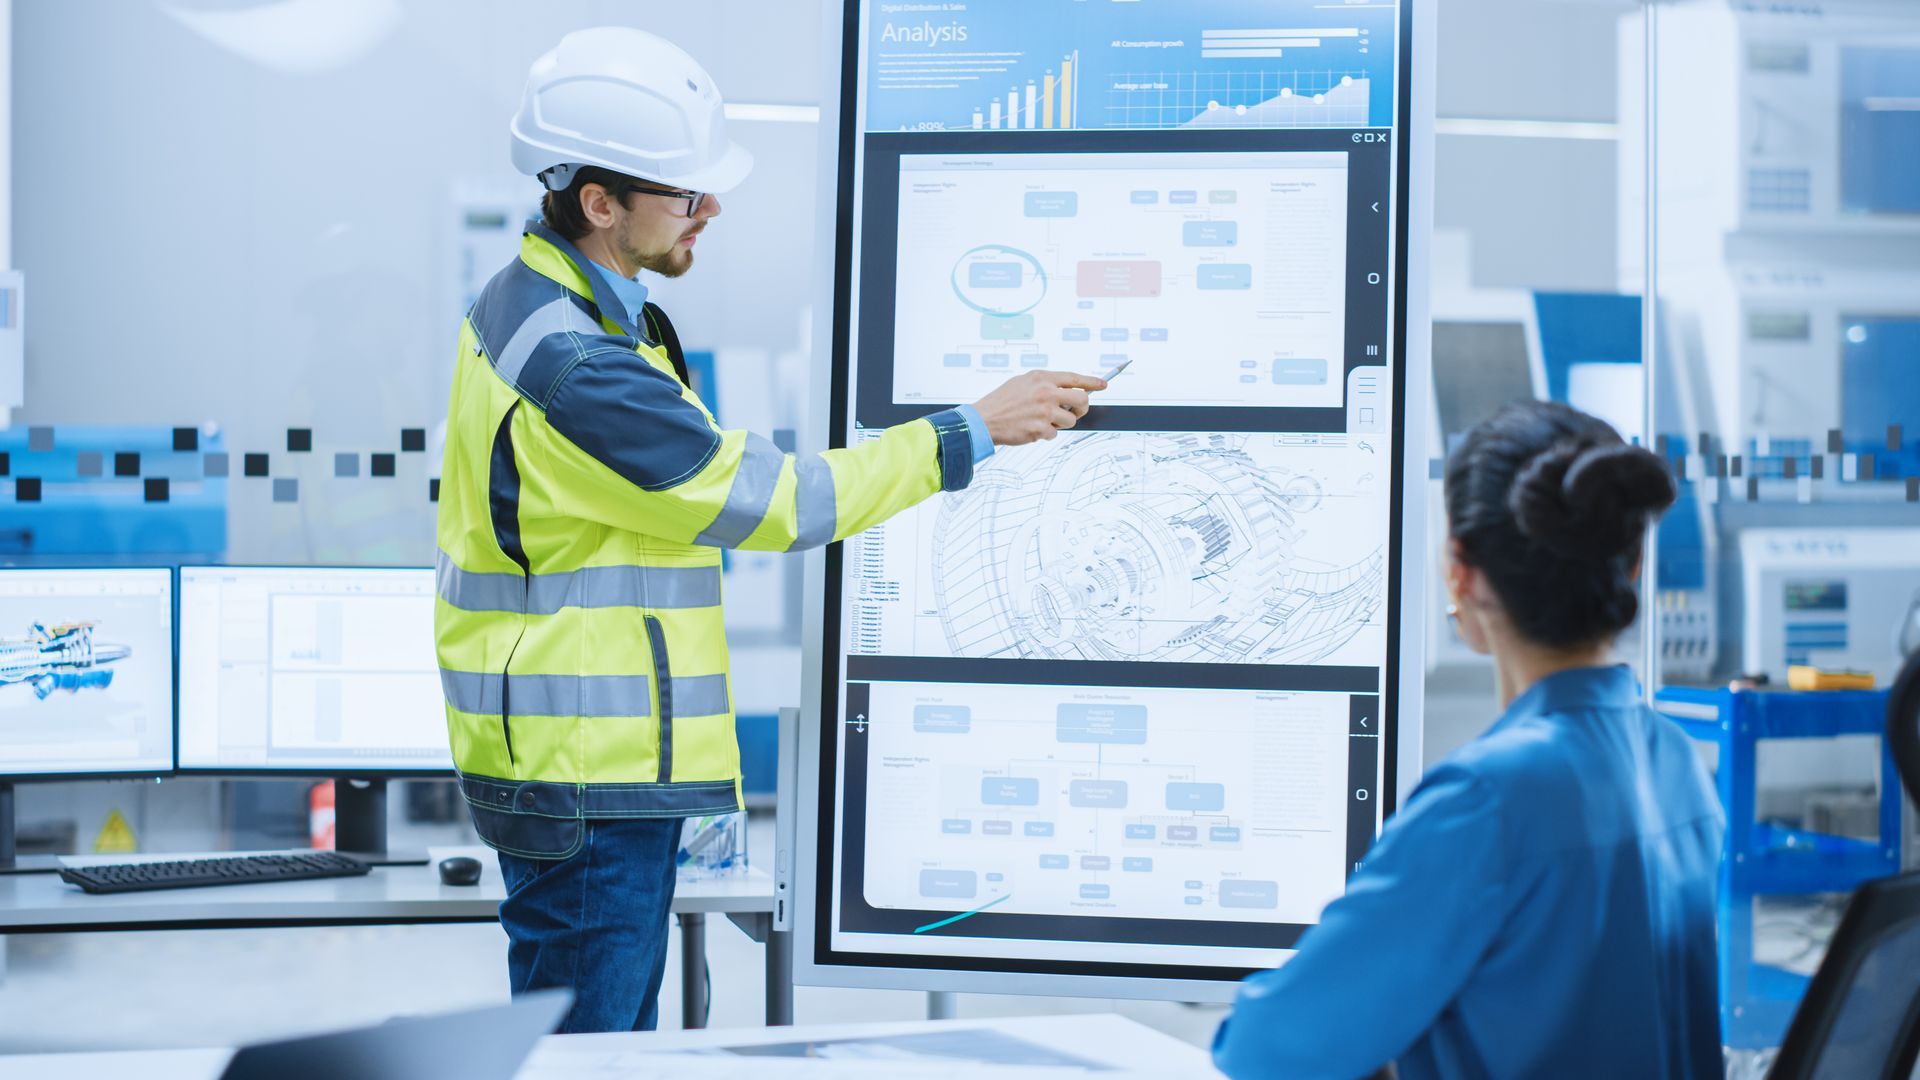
(625, 100)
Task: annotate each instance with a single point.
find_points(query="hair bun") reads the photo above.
(1589, 500)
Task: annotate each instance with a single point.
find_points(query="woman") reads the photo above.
(1543, 903)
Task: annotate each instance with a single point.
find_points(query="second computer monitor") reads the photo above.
(314, 670)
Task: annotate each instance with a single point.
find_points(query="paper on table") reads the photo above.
(562, 1065)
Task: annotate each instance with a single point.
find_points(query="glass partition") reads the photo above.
(1781, 214)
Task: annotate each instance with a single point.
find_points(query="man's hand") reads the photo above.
(1036, 405)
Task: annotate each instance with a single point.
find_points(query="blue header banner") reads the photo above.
(1037, 65)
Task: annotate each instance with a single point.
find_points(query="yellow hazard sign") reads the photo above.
(116, 836)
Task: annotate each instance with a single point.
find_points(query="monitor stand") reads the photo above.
(360, 824)
(10, 862)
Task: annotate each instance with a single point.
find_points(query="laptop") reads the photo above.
(477, 1044)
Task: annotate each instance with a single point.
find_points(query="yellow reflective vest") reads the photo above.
(584, 499)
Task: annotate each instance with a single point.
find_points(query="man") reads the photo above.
(584, 500)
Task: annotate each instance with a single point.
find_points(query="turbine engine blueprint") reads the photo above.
(63, 657)
(1183, 547)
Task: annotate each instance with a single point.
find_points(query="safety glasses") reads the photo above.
(694, 199)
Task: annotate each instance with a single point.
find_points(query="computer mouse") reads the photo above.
(460, 870)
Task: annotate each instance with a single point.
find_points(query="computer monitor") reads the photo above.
(86, 673)
(319, 671)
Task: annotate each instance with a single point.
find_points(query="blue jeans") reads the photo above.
(595, 922)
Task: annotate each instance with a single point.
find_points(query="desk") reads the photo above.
(1126, 1050)
(43, 904)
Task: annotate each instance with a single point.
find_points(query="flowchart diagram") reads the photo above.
(1219, 277)
(1106, 801)
(1133, 546)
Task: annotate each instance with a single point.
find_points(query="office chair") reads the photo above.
(1860, 1018)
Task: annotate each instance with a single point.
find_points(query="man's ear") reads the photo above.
(596, 205)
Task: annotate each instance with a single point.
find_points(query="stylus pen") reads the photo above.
(1116, 369)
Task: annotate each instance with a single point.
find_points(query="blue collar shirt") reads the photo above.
(632, 294)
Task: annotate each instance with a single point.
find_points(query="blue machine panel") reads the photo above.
(95, 499)
(1880, 388)
(1876, 142)
(1585, 328)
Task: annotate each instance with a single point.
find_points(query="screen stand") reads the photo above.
(10, 862)
(360, 824)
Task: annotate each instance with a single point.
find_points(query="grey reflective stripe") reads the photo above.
(487, 693)
(472, 591)
(626, 586)
(590, 587)
(818, 513)
(554, 318)
(550, 799)
(748, 499)
(699, 695)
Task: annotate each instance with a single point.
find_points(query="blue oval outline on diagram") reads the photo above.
(1040, 274)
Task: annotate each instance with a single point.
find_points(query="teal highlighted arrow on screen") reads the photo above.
(951, 919)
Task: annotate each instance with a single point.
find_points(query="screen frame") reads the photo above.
(815, 962)
(276, 772)
(9, 776)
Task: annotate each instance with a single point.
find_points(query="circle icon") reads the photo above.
(994, 279)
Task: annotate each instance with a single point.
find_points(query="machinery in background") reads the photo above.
(1778, 116)
(1786, 233)
(1493, 346)
(1834, 598)
(1786, 359)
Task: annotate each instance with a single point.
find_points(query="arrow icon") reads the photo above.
(1376, 208)
(860, 723)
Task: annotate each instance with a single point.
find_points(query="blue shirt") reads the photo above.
(1543, 905)
(633, 296)
(976, 433)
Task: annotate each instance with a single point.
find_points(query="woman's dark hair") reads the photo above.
(561, 209)
(1551, 506)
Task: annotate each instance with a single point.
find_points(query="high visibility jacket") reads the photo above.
(584, 499)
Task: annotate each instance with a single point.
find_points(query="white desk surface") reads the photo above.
(1129, 1051)
(1123, 1048)
(389, 893)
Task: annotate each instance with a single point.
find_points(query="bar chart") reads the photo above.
(1047, 104)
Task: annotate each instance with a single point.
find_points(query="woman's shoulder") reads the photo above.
(1513, 750)
(1562, 778)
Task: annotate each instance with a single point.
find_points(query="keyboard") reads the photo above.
(220, 870)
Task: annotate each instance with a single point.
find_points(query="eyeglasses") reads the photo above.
(694, 199)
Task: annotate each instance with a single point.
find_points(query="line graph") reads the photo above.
(1242, 98)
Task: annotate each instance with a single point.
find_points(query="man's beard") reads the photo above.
(671, 263)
